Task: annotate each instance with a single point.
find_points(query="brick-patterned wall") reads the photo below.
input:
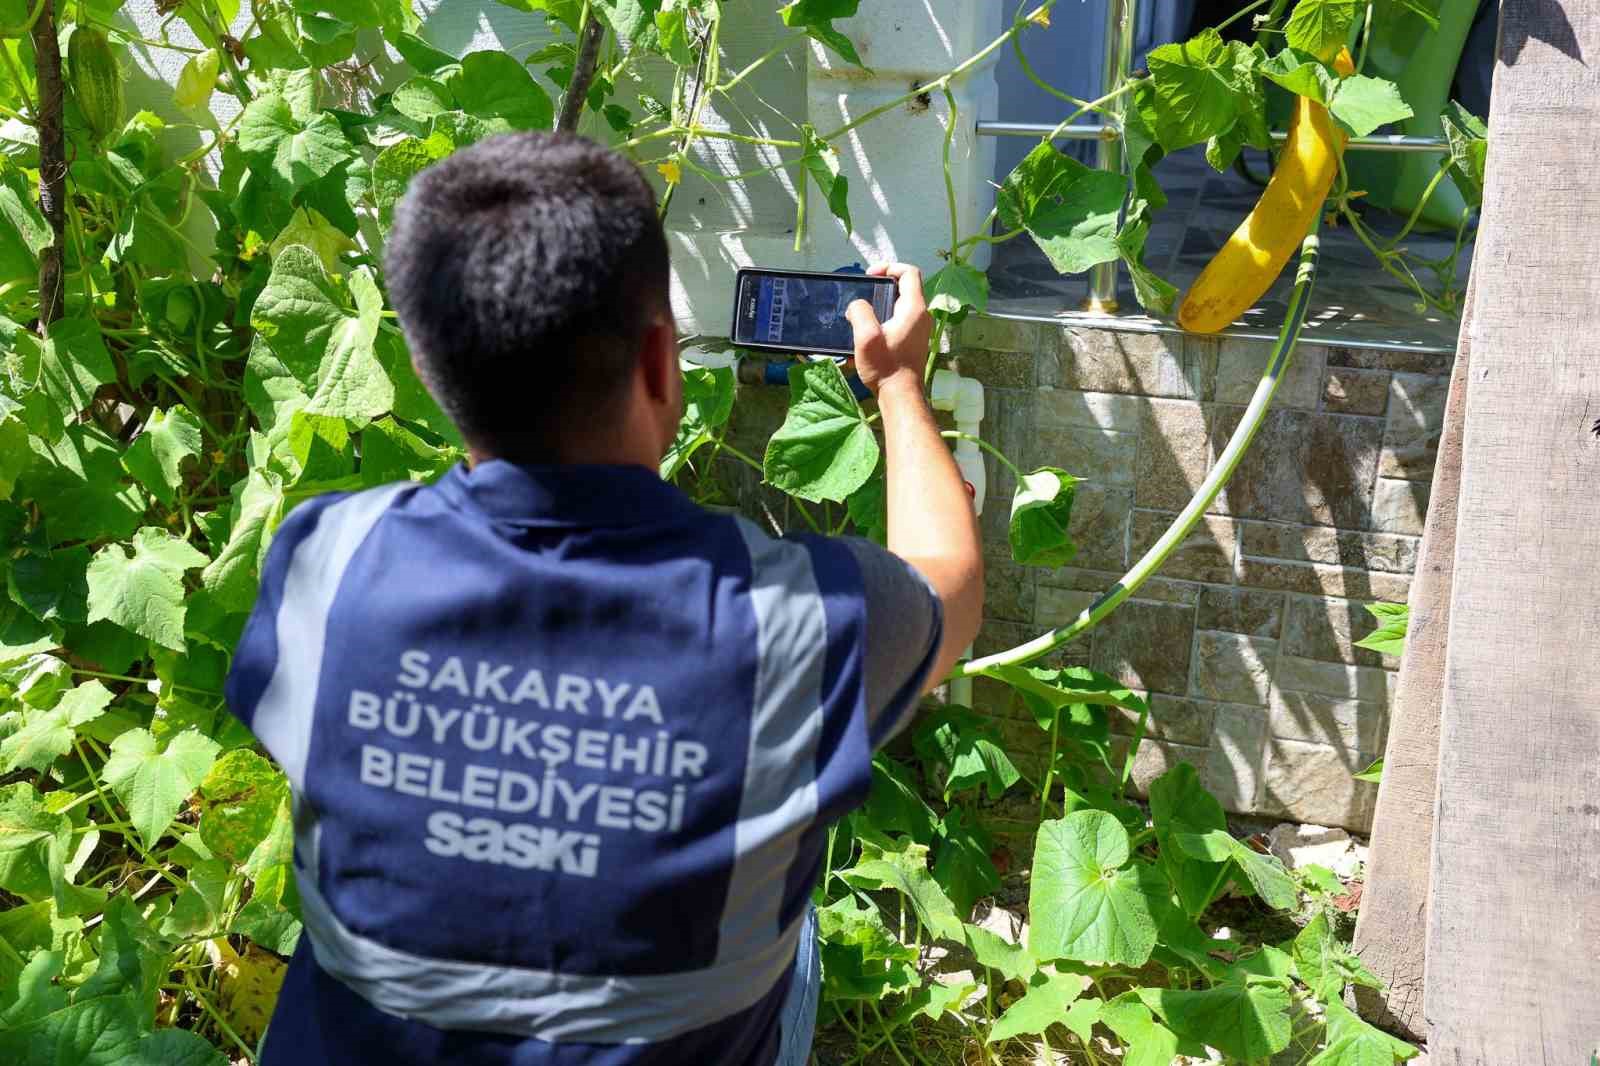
(1244, 641)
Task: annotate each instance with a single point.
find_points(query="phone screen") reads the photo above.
(806, 313)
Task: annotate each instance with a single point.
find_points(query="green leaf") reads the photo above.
(296, 151)
(1155, 294)
(672, 28)
(326, 347)
(397, 164)
(905, 870)
(968, 750)
(15, 454)
(1087, 905)
(391, 452)
(1322, 27)
(825, 449)
(1041, 512)
(1194, 85)
(895, 803)
(101, 1031)
(1390, 637)
(240, 798)
(1048, 1000)
(816, 17)
(707, 403)
(156, 455)
(310, 228)
(1245, 1017)
(1180, 804)
(1014, 962)
(1149, 1043)
(1373, 773)
(54, 587)
(868, 508)
(1326, 965)
(1362, 104)
(821, 160)
(177, 1047)
(231, 576)
(23, 231)
(197, 79)
(143, 593)
(47, 735)
(1265, 873)
(1352, 1042)
(633, 21)
(73, 364)
(955, 289)
(153, 783)
(1302, 74)
(850, 921)
(1469, 150)
(493, 85)
(82, 477)
(1069, 209)
(33, 843)
(962, 865)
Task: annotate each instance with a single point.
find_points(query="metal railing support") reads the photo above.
(1109, 154)
(1389, 143)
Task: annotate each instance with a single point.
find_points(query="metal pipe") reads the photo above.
(1108, 154)
(1392, 143)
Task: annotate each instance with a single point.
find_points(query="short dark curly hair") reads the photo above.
(526, 270)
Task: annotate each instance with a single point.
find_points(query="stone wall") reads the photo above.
(1245, 640)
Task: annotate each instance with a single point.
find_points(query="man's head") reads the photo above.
(530, 274)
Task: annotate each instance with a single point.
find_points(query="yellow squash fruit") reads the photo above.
(1255, 255)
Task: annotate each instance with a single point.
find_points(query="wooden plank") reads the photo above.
(1391, 930)
(1513, 951)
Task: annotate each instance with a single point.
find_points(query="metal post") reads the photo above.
(1108, 156)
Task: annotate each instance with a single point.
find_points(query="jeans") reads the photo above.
(799, 1018)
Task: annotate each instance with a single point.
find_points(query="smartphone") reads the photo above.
(802, 311)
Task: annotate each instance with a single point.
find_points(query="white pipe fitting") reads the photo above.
(964, 398)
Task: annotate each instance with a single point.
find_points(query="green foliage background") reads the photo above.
(153, 438)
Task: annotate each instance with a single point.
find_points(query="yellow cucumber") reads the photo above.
(1255, 255)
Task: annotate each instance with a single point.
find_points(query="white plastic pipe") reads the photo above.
(963, 397)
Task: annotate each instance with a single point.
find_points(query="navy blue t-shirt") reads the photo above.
(563, 749)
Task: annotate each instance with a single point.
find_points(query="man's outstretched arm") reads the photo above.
(931, 522)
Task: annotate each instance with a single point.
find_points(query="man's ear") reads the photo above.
(658, 365)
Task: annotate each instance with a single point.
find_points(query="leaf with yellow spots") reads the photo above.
(671, 171)
(248, 985)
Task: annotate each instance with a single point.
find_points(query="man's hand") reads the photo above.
(900, 345)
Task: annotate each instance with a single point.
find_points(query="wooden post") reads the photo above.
(1513, 949)
(1391, 931)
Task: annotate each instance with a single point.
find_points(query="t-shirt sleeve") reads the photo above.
(904, 626)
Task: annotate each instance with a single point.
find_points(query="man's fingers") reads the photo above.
(864, 323)
(909, 303)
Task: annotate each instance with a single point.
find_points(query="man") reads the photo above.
(564, 747)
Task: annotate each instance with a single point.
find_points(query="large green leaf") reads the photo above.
(240, 797)
(1051, 998)
(81, 475)
(1069, 209)
(33, 843)
(1194, 83)
(1326, 965)
(1362, 104)
(825, 449)
(397, 164)
(53, 587)
(1390, 636)
(1149, 1043)
(295, 151)
(156, 455)
(1468, 136)
(143, 592)
(1246, 1017)
(1041, 513)
(968, 749)
(903, 866)
(1014, 962)
(1265, 873)
(1086, 903)
(1180, 804)
(153, 783)
(1322, 27)
(328, 348)
(493, 85)
(99, 1031)
(956, 289)
(47, 735)
(73, 364)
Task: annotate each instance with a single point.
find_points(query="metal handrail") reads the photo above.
(1390, 143)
